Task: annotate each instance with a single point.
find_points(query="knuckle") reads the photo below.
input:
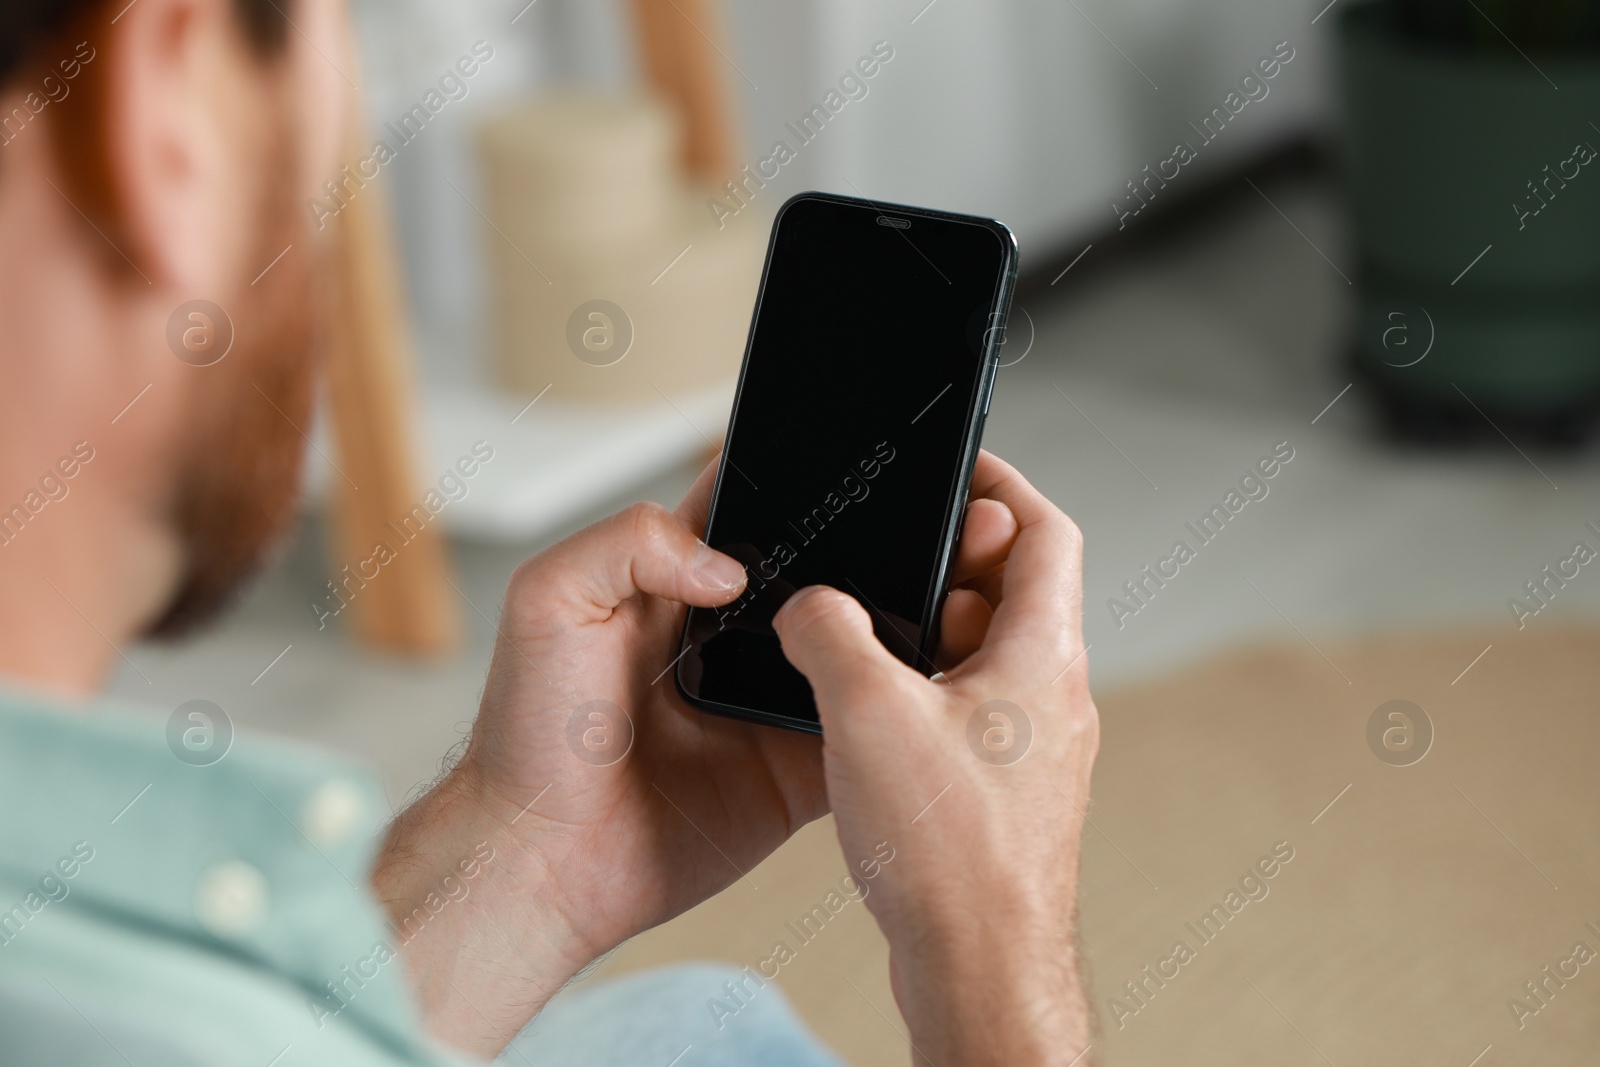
(1071, 534)
(531, 593)
(1084, 718)
(647, 524)
(1080, 719)
(644, 515)
(527, 576)
(1085, 732)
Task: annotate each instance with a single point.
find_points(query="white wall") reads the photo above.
(406, 45)
(1019, 109)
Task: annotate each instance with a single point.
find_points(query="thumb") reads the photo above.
(829, 639)
(644, 549)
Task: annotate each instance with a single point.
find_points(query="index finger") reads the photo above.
(1038, 627)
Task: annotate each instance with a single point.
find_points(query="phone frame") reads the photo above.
(977, 415)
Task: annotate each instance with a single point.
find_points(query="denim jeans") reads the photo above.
(678, 1016)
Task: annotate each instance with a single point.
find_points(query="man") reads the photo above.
(155, 151)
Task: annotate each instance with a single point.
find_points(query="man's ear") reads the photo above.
(183, 99)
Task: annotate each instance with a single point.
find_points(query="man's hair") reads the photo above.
(26, 25)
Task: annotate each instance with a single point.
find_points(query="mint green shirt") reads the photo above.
(155, 911)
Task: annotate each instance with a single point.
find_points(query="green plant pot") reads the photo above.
(1440, 143)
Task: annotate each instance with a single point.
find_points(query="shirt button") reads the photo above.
(332, 813)
(231, 898)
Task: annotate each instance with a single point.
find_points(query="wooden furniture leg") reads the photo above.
(408, 606)
(681, 63)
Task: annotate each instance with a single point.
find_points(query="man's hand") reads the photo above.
(607, 803)
(610, 804)
(981, 802)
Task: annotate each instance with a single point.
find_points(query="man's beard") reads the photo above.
(238, 481)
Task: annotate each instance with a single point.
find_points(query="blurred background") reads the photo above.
(1360, 234)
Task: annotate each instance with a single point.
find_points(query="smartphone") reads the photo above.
(860, 407)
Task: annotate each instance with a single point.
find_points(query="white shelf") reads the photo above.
(557, 461)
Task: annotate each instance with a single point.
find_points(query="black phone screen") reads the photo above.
(856, 416)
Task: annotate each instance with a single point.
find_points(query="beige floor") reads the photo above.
(1414, 908)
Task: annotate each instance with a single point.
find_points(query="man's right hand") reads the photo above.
(979, 901)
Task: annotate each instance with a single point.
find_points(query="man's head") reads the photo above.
(153, 154)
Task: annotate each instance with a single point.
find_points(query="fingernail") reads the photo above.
(717, 571)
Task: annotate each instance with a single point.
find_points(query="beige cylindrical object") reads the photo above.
(580, 170)
(613, 279)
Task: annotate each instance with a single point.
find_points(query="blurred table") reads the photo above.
(554, 461)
